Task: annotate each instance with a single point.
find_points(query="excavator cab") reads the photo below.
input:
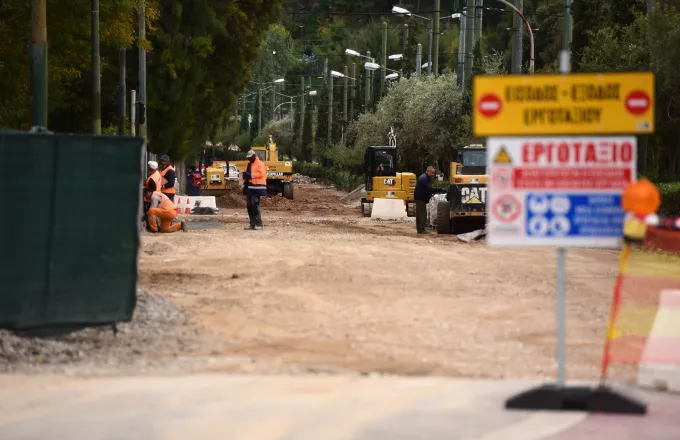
(382, 180)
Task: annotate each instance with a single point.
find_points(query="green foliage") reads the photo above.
(343, 180)
(644, 45)
(427, 115)
(670, 199)
(281, 133)
(227, 135)
(243, 141)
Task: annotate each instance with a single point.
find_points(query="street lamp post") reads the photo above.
(531, 34)
(401, 11)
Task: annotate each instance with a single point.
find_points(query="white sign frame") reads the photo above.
(578, 168)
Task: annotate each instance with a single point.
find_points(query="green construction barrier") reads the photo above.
(69, 230)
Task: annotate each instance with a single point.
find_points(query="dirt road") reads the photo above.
(322, 289)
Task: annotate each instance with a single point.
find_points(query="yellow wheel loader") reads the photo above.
(465, 207)
(382, 180)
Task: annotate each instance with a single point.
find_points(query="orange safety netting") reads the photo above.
(646, 277)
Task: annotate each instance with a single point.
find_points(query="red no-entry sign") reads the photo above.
(490, 105)
(637, 102)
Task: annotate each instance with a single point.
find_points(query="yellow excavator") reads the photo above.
(279, 172)
(465, 207)
(382, 180)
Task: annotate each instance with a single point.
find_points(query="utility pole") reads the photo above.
(429, 47)
(325, 70)
(39, 63)
(330, 108)
(435, 50)
(259, 110)
(404, 47)
(344, 93)
(353, 92)
(273, 99)
(469, 41)
(479, 9)
(133, 116)
(302, 109)
(383, 56)
(517, 47)
(368, 83)
(243, 105)
(122, 92)
(419, 49)
(460, 67)
(96, 70)
(141, 34)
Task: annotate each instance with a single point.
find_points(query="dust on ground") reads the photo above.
(323, 290)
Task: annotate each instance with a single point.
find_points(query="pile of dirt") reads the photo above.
(353, 199)
(299, 178)
(232, 200)
(275, 201)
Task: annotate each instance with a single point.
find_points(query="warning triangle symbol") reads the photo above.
(502, 157)
(474, 201)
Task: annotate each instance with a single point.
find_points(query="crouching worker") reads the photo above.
(164, 209)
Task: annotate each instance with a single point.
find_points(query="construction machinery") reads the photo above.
(382, 180)
(215, 180)
(279, 172)
(464, 209)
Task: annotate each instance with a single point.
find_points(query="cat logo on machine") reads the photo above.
(472, 195)
(389, 182)
(275, 174)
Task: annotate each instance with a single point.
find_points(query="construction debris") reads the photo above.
(299, 178)
(471, 236)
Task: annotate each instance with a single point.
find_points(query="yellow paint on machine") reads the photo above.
(575, 104)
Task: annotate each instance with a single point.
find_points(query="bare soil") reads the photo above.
(323, 290)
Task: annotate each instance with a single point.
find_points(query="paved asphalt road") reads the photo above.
(316, 408)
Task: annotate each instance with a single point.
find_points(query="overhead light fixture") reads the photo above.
(312, 93)
(396, 57)
(392, 76)
(352, 52)
(456, 15)
(336, 74)
(280, 80)
(372, 66)
(273, 52)
(425, 65)
(398, 10)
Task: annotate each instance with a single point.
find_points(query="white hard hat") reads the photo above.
(153, 164)
(250, 154)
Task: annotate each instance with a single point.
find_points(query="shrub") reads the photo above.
(670, 199)
(343, 180)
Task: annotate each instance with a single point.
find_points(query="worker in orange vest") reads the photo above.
(168, 177)
(164, 209)
(153, 182)
(254, 187)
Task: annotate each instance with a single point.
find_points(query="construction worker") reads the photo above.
(168, 177)
(164, 209)
(254, 187)
(153, 182)
(423, 193)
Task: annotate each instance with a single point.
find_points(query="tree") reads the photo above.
(644, 45)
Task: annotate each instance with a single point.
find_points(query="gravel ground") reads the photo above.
(323, 290)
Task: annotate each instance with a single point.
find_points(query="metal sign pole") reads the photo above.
(561, 316)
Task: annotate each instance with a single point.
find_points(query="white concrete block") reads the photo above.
(389, 209)
(659, 367)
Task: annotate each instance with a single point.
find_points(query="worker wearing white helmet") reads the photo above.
(153, 182)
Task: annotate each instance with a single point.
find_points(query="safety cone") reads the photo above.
(187, 207)
(178, 204)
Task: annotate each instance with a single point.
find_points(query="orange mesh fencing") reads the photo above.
(645, 276)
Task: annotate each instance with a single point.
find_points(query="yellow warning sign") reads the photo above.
(502, 157)
(581, 103)
(473, 201)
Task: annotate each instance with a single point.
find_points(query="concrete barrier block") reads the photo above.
(389, 209)
(659, 367)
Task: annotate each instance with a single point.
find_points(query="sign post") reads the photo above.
(558, 162)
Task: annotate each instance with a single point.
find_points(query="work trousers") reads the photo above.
(253, 203)
(166, 217)
(421, 215)
(170, 196)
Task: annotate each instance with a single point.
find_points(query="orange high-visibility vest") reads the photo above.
(156, 177)
(164, 181)
(258, 173)
(166, 204)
